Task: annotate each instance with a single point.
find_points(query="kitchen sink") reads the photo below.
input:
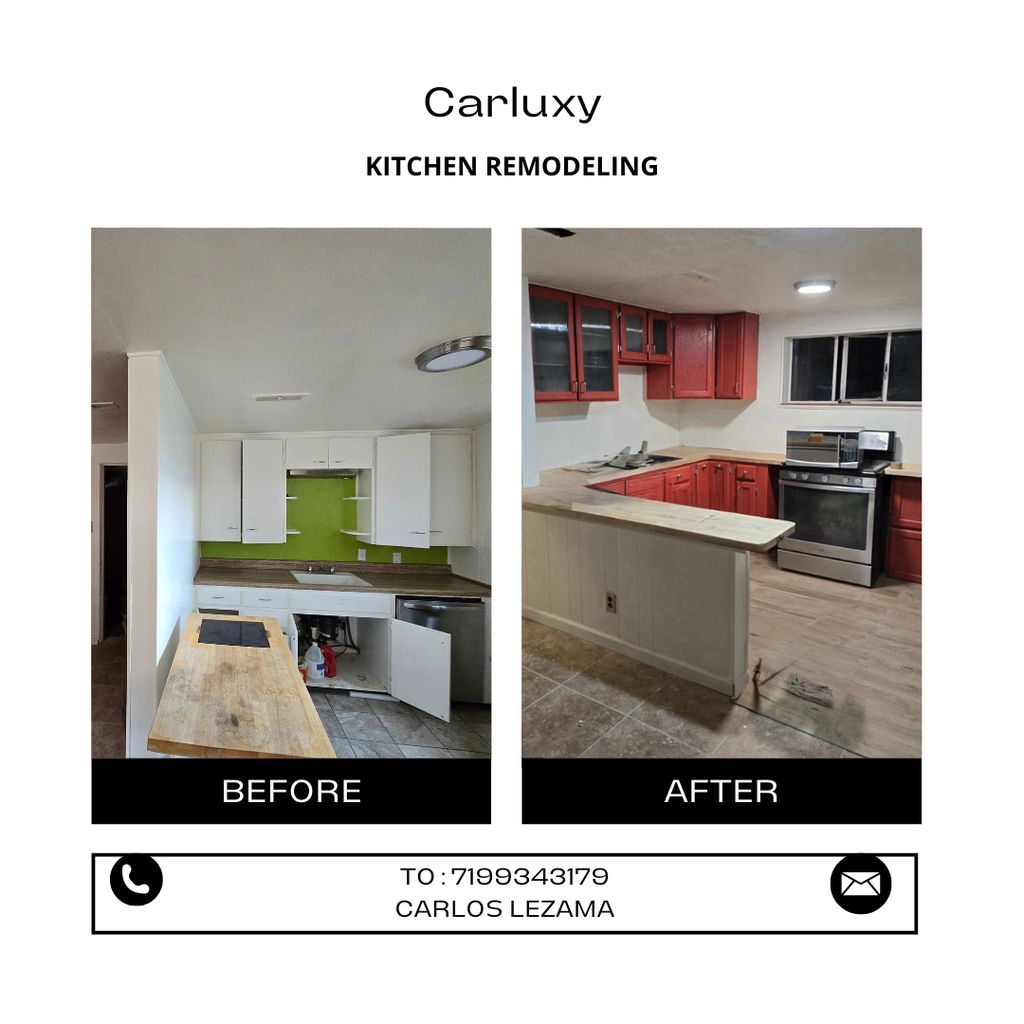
(340, 579)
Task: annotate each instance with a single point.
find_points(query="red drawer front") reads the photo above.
(679, 476)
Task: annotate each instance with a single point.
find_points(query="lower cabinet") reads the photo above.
(679, 486)
(612, 486)
(721, 486)
(650, 486)
(903, 549)
(754, 494)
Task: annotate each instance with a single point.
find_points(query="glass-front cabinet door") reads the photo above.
(553, 331)
(597, 349)
(633, 343)
(659, 333)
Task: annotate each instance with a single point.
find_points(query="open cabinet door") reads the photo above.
(421, 668)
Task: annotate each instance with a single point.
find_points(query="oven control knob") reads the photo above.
(824, 478)
(805, 476)
(846, 479)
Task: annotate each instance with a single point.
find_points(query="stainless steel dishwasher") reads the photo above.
(464, 621)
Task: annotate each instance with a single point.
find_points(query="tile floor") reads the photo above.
(109, 685)
(362, 727)
(580, 700)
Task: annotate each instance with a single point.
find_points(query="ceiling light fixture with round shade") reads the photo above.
(819, 286)
(454, 354)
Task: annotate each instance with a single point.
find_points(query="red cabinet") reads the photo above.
(722, 486)
(903, 551)
(691, 371)
(649, 485)
(736, 356)
(702, 484)
(614, 486)
(659, 334)
(754, 494)
(575, 347)
(634, 338)
(679, 486)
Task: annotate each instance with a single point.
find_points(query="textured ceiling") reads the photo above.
(338, 313)
(744, 269)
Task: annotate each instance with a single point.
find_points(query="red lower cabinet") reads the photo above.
(903, 551)
(702, 485)
(614, 486)
(722, 486)
(754, 493)
(650, 486)
(679, 486)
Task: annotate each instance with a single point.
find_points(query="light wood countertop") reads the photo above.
(222, 701)
(904, 469)
(569, 493)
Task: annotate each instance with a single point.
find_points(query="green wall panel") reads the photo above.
(319, 513)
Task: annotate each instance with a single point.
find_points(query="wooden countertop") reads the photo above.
(415, 584)
(568, 493)
(236, 701)
(904, 469)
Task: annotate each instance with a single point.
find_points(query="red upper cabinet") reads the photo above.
(597, 349)
(659, 337)
(691, 373)
(553, 332)
(736, 356)
(633, 335)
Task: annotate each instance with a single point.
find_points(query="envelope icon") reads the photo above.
(861, 883)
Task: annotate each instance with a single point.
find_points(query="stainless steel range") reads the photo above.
(837, 496)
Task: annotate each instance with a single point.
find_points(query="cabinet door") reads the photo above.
(597, 351)
(722, 486)
(747, 498)
(553, 338)
(451, 490)
(305, 453)
(694, 356)
(401, 491)
(650, 486)
(421, 661)
(659, 334)
(681, 491)
(220, 491)
(905, 505)
(633, 337)
(702, 485)
(350, 453)
(903, 556)
(263, 492)
(736, 356)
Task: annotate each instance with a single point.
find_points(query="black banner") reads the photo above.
(182, 791)
(783, 791)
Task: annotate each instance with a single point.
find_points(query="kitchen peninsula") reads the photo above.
(665, 584)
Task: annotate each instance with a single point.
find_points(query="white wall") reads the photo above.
(475, 562)
(761, 425)
(163, 549)
(569, 432)
(102, 455)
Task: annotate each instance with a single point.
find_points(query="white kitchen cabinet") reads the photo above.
(220, 506)
(451, 490)
(421, 663)
(401, 491)
(350, 452)
(306, 453)
(263, 492)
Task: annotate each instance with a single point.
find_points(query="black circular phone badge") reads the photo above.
(136, 880)
(861, 883)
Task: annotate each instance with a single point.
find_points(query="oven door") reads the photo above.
(833, 521)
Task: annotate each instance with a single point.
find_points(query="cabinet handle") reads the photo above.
(232, 527)
(215, 597)
(418, 532)
(583, 386)
(265, 599)
(250, 529)
(437, 531)
(319, 462)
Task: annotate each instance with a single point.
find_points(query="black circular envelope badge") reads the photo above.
(861, 883)
(136, 880)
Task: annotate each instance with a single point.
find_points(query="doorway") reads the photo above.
(110, 655)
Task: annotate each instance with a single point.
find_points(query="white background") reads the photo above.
(257, 114)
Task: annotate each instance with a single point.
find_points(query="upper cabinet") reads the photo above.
(220, 509)
(659, 330)
(736, 356)
(264, 489)
(553, 333)
(597, 351)
(306, 453)
(633, 335)
(451, 490)
(350, 452)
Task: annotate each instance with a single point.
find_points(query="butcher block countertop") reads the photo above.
(222, 701)
(416, 581)
(904, 469)
(568, 493)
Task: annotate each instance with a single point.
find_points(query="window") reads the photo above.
(875, 367)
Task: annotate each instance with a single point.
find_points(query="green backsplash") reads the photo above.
(319, 513)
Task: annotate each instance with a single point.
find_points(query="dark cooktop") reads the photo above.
(233, 634)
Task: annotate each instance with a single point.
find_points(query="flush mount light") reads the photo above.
(817, 287)
(286, 396)
(454, 354)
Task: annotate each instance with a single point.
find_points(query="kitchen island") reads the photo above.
(665, 584)
(230, 701)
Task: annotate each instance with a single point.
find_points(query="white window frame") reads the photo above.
(839, 380)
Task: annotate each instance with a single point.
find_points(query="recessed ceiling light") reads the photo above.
(454, 354)
(817, 287)
(286, 396)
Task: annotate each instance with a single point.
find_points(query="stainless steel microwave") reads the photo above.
(836, 447)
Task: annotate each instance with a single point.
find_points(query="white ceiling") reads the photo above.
(750, 269)
(338, 313)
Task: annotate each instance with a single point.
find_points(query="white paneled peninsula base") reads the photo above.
(668, 585)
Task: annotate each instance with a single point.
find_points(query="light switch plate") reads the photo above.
(361, 554)
(396, 556)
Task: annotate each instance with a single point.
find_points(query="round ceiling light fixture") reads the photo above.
(818, 286)
(454, 354)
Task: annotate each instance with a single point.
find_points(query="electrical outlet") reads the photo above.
(396, 556)
(361, 554)
(611, 602)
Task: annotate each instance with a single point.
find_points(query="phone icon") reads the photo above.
(136, 880)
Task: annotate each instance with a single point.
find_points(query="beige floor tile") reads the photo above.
(620, 682)
(631, 738)
(413, 751)
(691, 713)
(560, 656)
(756, 736)
(457, 735)
(535, 686)
(564, 723)
(410, 731)
(372, 748)
(534, 631)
